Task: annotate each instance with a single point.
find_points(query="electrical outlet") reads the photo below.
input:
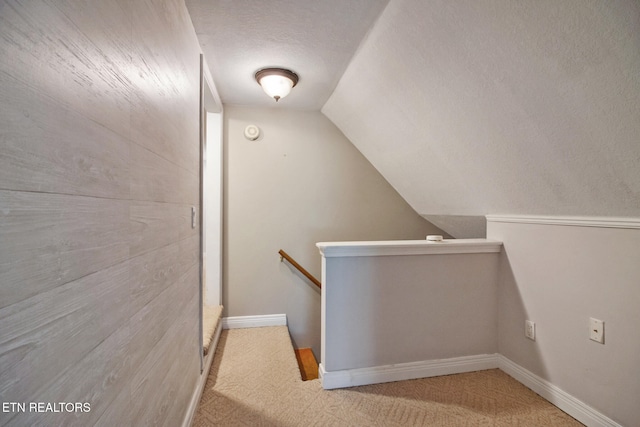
(530, 330)
(596, 330)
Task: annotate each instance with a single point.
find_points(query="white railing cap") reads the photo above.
(407, 247)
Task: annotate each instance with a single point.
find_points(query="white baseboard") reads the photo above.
(563, 400)
(406, 371)
(254, 321)
(197, 393)
(412, 370)
(431, 368)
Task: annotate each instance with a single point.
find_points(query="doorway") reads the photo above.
(212, 215)
(211, 172)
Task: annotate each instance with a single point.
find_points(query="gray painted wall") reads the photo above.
(496, 106)
(99, 151)
(302, 182)
(386, 310)
(559, 277)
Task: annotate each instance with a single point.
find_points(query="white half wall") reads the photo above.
(403, 302)
(559, 272)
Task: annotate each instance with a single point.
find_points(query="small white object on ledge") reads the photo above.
(434, 238)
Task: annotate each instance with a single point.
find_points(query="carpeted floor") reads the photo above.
(255, 381)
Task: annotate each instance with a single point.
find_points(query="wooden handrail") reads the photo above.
(301, 269)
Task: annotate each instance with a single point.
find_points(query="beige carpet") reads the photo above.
(255, 381)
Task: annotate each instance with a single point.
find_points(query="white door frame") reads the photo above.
(210, 106)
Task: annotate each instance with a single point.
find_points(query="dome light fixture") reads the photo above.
(276, 82)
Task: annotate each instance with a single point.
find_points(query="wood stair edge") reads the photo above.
(307, 364)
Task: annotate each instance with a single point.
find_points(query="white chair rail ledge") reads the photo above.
(407, 247)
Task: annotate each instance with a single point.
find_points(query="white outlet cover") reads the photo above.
(596, 330)
(530, 330)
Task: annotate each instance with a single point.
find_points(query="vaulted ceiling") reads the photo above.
(466, 108)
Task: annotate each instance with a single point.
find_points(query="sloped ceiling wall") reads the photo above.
(499, 106)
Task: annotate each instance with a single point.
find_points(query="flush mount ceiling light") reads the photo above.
(276, 82)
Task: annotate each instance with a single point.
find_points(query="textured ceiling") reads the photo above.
(316, 39)
(471, 108)
(466, 107)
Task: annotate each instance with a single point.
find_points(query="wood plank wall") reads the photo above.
(99, 160)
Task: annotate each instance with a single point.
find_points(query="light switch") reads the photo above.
(596, 330)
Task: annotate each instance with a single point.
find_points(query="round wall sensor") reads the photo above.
(434, 238)
(252, 132)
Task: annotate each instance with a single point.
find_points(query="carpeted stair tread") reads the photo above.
(210, 318)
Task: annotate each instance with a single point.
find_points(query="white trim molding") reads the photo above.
(577, 221)
(563, 400)
(202, 380)
(408, 247)
(254, 321)
(406, 371)
(457, 365)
